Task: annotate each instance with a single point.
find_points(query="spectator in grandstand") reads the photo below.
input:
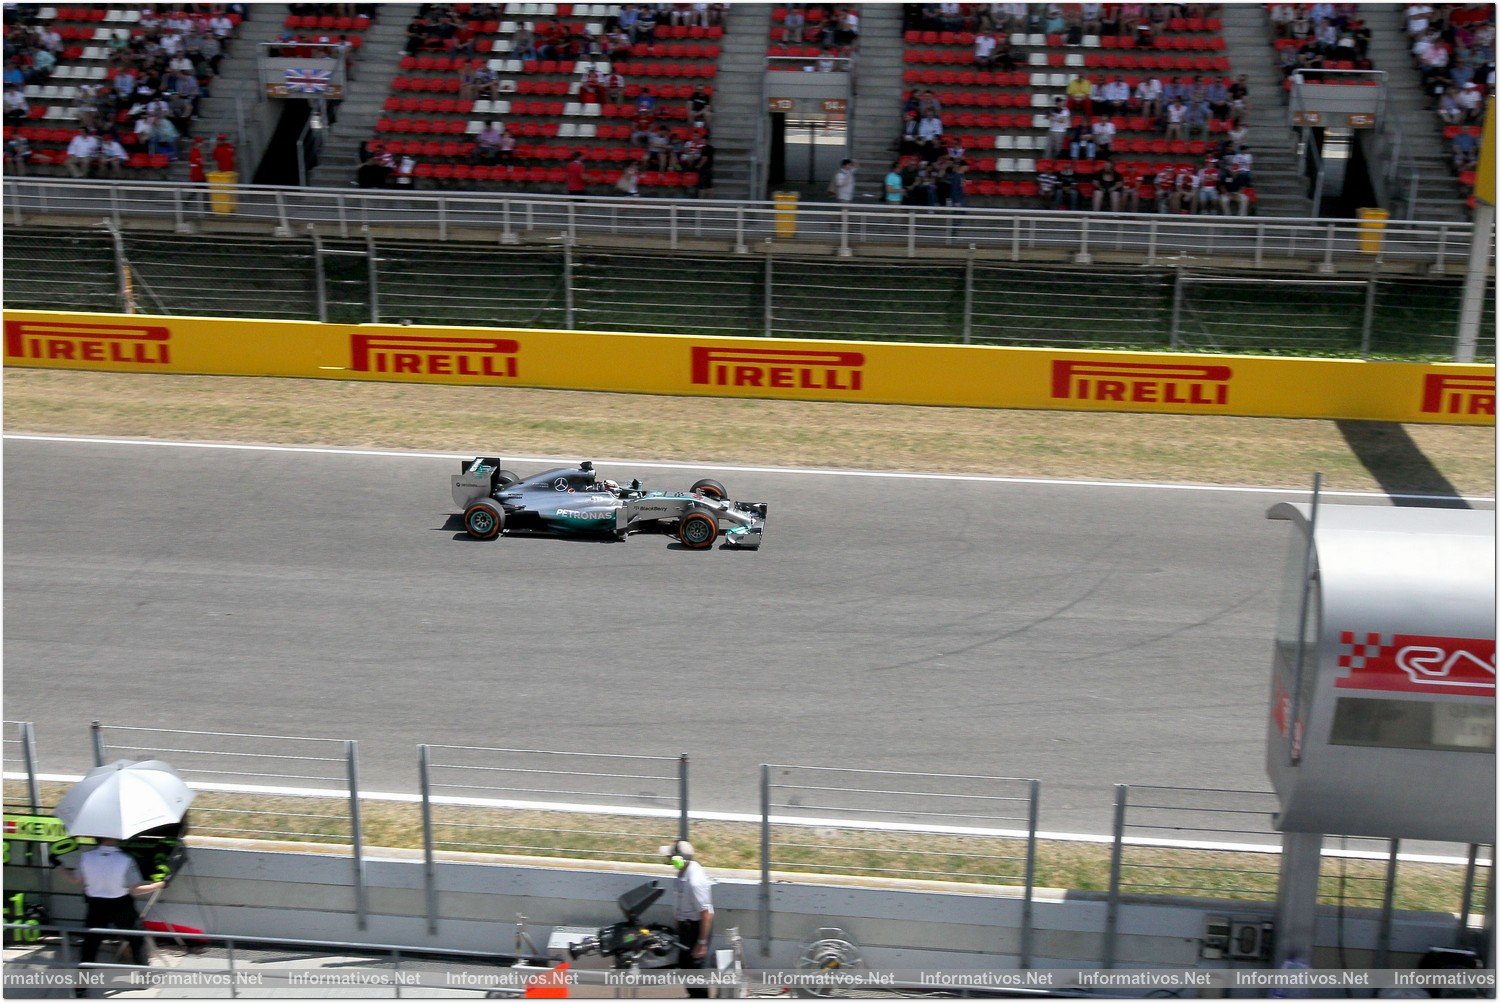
(923, 189)
(111, 157)
(1081, 142)
(1115, 97)
(1176, 119)
(574, 181)
(1131, 15)
(1282, 16)
(629, 182)
(1465, 151)
(1059, 121)
(1080, 94)
(827, 60)
(180, 113)
(984, 50)
(700, 108)
(848, 28)
(1046, 186)
(659, 150)
(159, 134)
(1237, 185)
(707, 156)
(1109, 189)
(1217, 97)
(17, 155)
(1066, 196)
(1184, 189)
(645, 23)
(841, 186)
(792, 26)
(641, 130)
(487, 143)
(82, 150)
(1197, 119)
(17, 108)
(1209, 180)
(1470, 100)
(930, 135)
(1103, 131)
(1148, 97)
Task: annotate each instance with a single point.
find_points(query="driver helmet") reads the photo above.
(611, 486)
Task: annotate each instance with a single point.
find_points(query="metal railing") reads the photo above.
(257, 766)
(557, 804)
(1261, 242)
(778, 292)
(822, 820)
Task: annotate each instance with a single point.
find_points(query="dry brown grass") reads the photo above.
(1173, 448)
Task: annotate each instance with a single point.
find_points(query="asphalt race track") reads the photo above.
(1085, 635)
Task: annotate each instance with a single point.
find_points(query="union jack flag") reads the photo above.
(308, 81)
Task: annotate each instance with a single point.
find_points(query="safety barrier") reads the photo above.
(259, 766)
(975, 830)
(852, 372)
(1168, 843)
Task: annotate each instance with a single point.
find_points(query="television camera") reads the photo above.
(629, 941)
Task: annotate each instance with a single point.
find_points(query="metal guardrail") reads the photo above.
(819, 228)
(488, 800)
(970, 827)
(207, 757)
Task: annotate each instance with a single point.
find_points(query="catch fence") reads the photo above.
(558, 804)
(739, 226)
(776, 292)
(972, 830)
(278, 787)
(1168, 843)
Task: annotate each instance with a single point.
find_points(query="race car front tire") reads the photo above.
(710, 488)
(483, 520)
(698, 531)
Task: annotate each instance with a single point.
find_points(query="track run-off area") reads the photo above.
(1081, 633)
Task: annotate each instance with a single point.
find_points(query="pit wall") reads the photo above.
(860, 372)
(247, 893)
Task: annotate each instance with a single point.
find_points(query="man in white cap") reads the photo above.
(693, 908)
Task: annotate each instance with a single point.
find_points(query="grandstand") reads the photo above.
(430, 86)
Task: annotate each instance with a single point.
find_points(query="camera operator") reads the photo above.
(693, 909)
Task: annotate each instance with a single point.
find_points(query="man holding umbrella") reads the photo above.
(112, 803)
(109, 877)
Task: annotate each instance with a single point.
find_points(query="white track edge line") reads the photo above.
(722, 816)
(733, 468)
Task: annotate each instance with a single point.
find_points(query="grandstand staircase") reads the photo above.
(238, 83)
(1280, 189)
(379, 62)
(737, 95)
(1438, 197)
(876, 122)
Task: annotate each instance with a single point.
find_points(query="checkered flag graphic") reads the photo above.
(1360, 652)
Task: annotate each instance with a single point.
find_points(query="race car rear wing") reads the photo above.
(476, 479)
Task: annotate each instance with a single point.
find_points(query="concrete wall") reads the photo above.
(282, 893)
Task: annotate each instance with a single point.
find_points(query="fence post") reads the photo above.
(98, 739)
(1112, 913)
(968, 296)
(682, 796)
(356, 833)
(740, 246)
(320, 285)
(765, 860)
(1383, 937)
(122, 269)
(1467, 905)
(1367, 328)
(507, 235)
(28, 753)
(15, 204)
(844, 250)
(1026, 905)
(1326, 265)
(769, 287)
(672, 216)
(1176, 335)
(568, 280)
(429, 859)
(373, 269)
(1083, 257)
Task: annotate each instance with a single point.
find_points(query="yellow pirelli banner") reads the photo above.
(866, 372)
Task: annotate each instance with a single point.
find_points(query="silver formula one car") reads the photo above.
(574, 500)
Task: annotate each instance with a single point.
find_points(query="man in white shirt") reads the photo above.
(693, 908)
(109, 877)
(842, 185)
(81, 151)
(984, 50)
(1059, 121)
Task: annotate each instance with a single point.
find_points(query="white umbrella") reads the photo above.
(125, 798)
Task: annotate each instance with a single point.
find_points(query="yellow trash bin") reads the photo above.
(786, 213)
(221, 185)
(1372, 230)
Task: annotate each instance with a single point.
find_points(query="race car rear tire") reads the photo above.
(504, 478)
(698, 531)
(713, 489)
(484, 519)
